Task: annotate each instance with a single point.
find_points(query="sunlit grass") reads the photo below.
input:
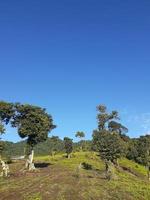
(61, 180)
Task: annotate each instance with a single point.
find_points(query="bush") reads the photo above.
(86, 166)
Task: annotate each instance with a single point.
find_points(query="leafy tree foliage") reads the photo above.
(132, 151)
(114, 126)
(139, 151)
(80, 134)
(68, 144)
(143, 149)
(110, 146)
(32, 123)
(104, 118)
(6, 114)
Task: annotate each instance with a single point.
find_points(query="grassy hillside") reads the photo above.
(60, 179)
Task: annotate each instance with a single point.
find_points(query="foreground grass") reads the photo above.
(59, 178)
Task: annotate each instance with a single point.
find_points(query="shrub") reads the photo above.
(86, 166)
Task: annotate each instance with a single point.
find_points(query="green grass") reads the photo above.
(138, 169)
(62, 180)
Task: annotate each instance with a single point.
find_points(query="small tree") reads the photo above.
(68, 144)
(80, 135)
(34, 124)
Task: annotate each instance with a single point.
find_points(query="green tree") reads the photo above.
(80, 135)
(68, 144)
(109, 145)
(107, 139)
(34, 124)
(114, 126)
(104, 117)
(6, 114)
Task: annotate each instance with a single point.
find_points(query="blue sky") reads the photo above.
(71, 55)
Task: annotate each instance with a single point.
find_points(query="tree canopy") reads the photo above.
(32, 123)
(110, 146)
(80, 134)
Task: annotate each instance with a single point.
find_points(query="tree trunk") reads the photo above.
(69, 156)
(5, 168)
(53, 154)
(29, 162)
(110, 174)
(116, 163)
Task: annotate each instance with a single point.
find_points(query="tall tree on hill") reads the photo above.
(68, 144)
(34, 124)
(107, 139)
(80, 135)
